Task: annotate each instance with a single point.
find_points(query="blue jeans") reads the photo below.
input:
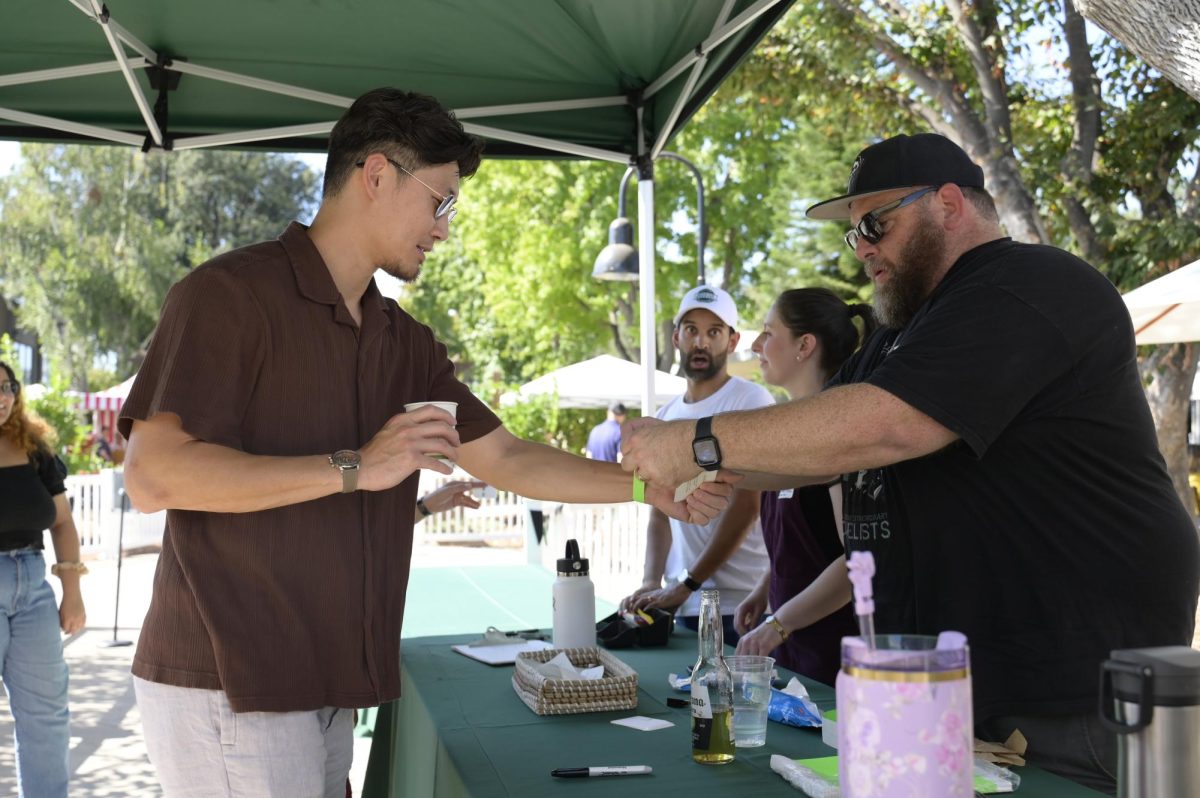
(35, 674)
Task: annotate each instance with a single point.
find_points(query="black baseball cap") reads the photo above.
(925, 159)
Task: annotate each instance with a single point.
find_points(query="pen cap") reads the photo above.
(572, 564)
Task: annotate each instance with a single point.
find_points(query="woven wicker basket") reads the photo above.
(616, 690)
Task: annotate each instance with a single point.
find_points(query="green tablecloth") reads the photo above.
(460, 730)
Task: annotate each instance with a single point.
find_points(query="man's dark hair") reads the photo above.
(983, 203)
(412, 129)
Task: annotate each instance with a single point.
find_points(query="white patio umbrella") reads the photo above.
(1167, 310)
(599, 382)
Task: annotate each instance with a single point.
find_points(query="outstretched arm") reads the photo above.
(538, 471)
(839, 430)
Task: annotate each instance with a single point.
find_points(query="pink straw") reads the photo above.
(862, 569)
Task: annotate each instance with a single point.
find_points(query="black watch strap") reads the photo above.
(691, 584)
(705, 449)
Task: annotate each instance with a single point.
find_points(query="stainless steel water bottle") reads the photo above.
(1151, 698)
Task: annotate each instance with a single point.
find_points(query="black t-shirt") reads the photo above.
(1050, 533)
(27, 494)
(872, 517)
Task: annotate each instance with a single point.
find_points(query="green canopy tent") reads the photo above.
(603, 79)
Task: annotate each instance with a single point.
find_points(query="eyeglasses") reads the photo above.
(445, 202)
(12, 388)
(870, 227)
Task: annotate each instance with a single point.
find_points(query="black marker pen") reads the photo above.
(618, 770)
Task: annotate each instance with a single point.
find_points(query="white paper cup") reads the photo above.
(449, 407)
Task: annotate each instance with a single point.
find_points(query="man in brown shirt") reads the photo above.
(268, 420)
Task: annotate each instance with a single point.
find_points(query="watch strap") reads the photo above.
(423, 508)
(690, 583)
(704, 435)
(783, 633)
(349, 478)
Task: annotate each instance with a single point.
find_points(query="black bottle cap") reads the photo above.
(572, 564)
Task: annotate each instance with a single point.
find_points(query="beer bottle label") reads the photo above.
(701, 717)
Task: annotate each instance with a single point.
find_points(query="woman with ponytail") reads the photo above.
(33, 499)
(807, 336)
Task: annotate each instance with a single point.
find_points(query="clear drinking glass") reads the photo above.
(751, 695)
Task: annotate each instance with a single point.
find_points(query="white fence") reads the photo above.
(96, 507)
(611, 536)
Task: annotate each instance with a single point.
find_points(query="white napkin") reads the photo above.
(561, 668)
(643, 723)
(795, 688)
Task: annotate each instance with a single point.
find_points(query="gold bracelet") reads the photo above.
(58, 568)
(783, 633)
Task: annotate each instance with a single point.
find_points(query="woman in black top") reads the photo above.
(807, 335)
(33, 499)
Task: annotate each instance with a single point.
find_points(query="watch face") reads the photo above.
(706, 451)
(345, 458)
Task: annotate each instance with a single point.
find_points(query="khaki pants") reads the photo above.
(201, 748)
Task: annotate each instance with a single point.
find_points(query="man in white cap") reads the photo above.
(727, 553)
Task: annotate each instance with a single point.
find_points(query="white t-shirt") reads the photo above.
(741, 572)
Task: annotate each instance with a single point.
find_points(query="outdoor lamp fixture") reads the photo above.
(619, 260)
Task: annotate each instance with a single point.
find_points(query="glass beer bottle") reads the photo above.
(712, 689)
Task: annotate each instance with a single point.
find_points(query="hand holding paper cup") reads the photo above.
(449, 407)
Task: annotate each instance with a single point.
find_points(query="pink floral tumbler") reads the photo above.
(904, 717)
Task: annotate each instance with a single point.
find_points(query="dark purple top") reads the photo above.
(801, 537)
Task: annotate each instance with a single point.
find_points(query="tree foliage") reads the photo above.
(1083, 146)
(91, 238)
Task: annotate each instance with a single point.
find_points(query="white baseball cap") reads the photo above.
(711, 299)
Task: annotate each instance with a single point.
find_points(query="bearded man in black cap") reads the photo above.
(997, 452)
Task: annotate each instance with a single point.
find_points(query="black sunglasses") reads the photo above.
(870, 227)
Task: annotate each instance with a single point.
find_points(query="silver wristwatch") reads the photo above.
(347, 461)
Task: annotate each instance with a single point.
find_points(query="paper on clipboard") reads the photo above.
(503, 654)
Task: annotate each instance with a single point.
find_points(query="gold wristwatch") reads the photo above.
(783, 633)
(347, 461)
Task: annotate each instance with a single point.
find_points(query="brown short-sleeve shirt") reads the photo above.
(298, 607)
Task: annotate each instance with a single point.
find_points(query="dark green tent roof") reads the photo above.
(256, 65)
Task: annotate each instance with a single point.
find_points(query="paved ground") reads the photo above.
(108, 754)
